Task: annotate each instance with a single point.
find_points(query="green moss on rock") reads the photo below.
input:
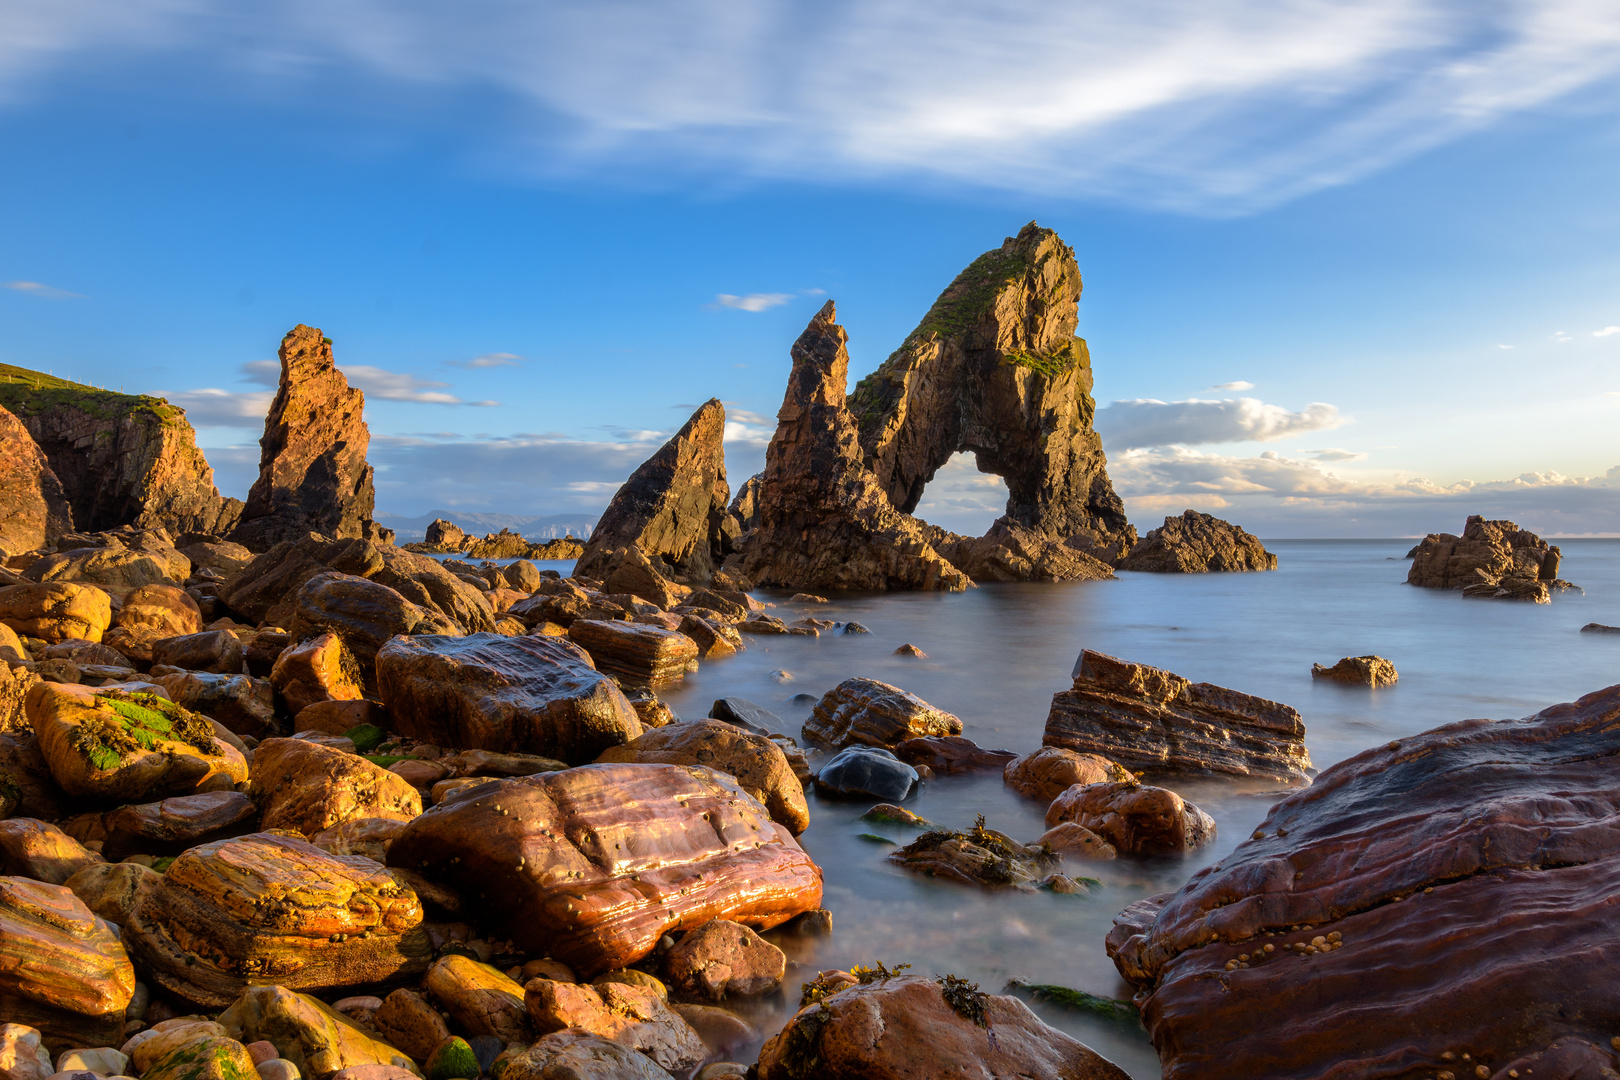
(130, 723)
(30, 393)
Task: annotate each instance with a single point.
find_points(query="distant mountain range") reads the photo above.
(545, 527)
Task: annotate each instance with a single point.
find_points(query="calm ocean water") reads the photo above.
(996, 655)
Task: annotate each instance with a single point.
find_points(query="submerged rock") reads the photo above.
(872, 713)
(980, 856)
(1135, 818)
(593, 865)
(952, 754)
(885, 1027)
(823, 520)
(1196, 543)
(672, 506)
(1052, 770)
(722, 959)
(573, 1054)
(1360, 670)
(1150, 720)
(313, 473)
(1493, 559)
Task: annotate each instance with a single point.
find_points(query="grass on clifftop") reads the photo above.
(30, 393)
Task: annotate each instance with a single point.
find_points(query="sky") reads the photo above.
(1351, 269)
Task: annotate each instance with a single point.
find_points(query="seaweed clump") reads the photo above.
(130, 722)
(980, 856)
(964, 997)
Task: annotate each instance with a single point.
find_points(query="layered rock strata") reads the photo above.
(595, 864)
(672, 506)
(33, 509)
(823, 520)
(62, 969)
(1153, 721)
(1437, 903)
(636, 653)
(1491, 559)
(121, 459)
(1196, 543)
(871, 713)
(313, 473)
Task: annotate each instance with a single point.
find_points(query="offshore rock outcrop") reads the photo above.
(1491, 559)
(1437, 904)
(33, 510)
(121, 459)
(313, 473)
(994, 368)
(672, 507)
(1197, 543)
(823, 520)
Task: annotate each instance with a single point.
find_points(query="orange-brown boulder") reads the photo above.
(723, 959)
(317, 670)
(531, 694)
(1196, 543)
(635, 652)
(243, 704)
(56, 610)
(37, 849)
(1372, 671)
(1052, 770)
(870, 713)
(363, 613)
(595, 864)
(218, 651)
(272, 909)
(1491, 560)
(1446, 894)
(910, 1026)
(173, 825)
(1135, 818)
(62, 969)
(635, 1017)
(166, 608)
(305, 787)
(754, 761)
(952, 754)
(481, 1000)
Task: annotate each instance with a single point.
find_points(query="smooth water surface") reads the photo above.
(996, 655)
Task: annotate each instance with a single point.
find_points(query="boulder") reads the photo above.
(245, 705)
(824, 521)
(339, 717)
(593, 865)
(220, 556)
(26, 782)
(1448, 892)
(1150, 720)
(723, 959)
(62, 969)
(313, 474)
(234, 913)
(1077, 842)
(632, 1016)
(712, 639)
(37, 849)
(125, 747)
(1137, 819)
(33, 509)
(479, 999)
(200, 1056)
(117, 570)
(578, 1055)
(442, 535)
(1196, 543)
(529, 694)
(369, 837)
(980, 856)
(218, 651)
(318, 670)
(22, 1055)
(859, 771)
(304, 787)
(56, 611)
(12, 650)
(952, 754)
(872, 713)
(1052, 770)
(365, 614)
(319, 1040)
(166, 608)
(635, 652)
(671, 508)
(757, 763)
(173, 825)
(113, 890)
(1490, 559)
(407, 1021)
(1371, 671)
(883, 1028)
(14, 686)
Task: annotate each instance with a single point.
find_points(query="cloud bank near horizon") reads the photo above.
(1169, 103)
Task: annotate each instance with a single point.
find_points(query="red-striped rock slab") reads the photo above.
(1153, 721)
(595, 864)
(1448, 894)
(62, 969)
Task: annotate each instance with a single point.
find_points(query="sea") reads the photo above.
(996, 655)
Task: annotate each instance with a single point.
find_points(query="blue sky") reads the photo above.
(1351, 269)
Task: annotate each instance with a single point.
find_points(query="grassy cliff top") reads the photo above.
(30, 393)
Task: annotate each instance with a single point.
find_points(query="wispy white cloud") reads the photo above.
(1233, 387)
(1335, 454)
(399, 386)
(753, 301)
(1169, 102)
(262, 372)
(1149, 422)
(212, 407)
(44, 292)
(1561, 337)
(1504, 346)
(1607, 331)
(488, 360)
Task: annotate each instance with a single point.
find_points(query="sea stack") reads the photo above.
(1196, 543)
(313, 473)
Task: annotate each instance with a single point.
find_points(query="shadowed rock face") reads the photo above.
(1456, 890)
(672, 506)
(313, 474)
(33, 510)
(1491, 559)
(121, 459)
(994, 368)
(1197, 543)
(824, 521)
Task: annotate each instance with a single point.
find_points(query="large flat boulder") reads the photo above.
(1448, 893)
(531, 694)
(172, 825)
(1149, 720)
(871, 713)
(272, 909)
(56, 610)
(595, 864)
(62, 969)
(637, 653)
